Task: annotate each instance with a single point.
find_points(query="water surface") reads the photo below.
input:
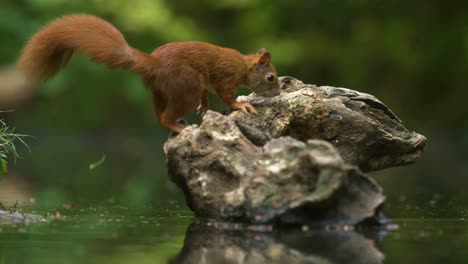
(118, 234)
(127, 211)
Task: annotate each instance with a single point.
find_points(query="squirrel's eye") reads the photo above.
(270, 77)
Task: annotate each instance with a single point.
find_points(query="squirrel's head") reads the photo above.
(262, 77)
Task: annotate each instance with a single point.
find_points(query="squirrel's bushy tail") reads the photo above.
(51, 48)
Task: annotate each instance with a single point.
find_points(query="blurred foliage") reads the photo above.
(403, 52)
(7, 146)
(412, 55)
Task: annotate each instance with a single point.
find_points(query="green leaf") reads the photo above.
(3, 165)
(98, 163)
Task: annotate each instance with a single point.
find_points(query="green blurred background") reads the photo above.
(412, 55)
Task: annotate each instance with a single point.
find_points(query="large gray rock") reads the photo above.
(297, 161)
(227, 177)
(365, 132)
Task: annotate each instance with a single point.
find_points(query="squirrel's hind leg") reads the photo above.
(177, 108)
(166, 118)
(170, 116)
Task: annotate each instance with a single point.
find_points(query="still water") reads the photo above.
(117, 234)
(127, 211)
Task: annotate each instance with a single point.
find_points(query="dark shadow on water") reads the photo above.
(207, 244)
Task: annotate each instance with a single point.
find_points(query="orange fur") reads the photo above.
(178, 74)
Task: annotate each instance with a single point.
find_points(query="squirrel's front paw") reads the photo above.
(245, 107)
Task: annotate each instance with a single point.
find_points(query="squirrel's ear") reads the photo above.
(261, 51)
(265, 56)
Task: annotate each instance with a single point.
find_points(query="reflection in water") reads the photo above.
(207, 244)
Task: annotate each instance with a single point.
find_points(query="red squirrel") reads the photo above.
(178, 74)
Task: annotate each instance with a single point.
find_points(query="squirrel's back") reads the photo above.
(51, 48)
(206, 59)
